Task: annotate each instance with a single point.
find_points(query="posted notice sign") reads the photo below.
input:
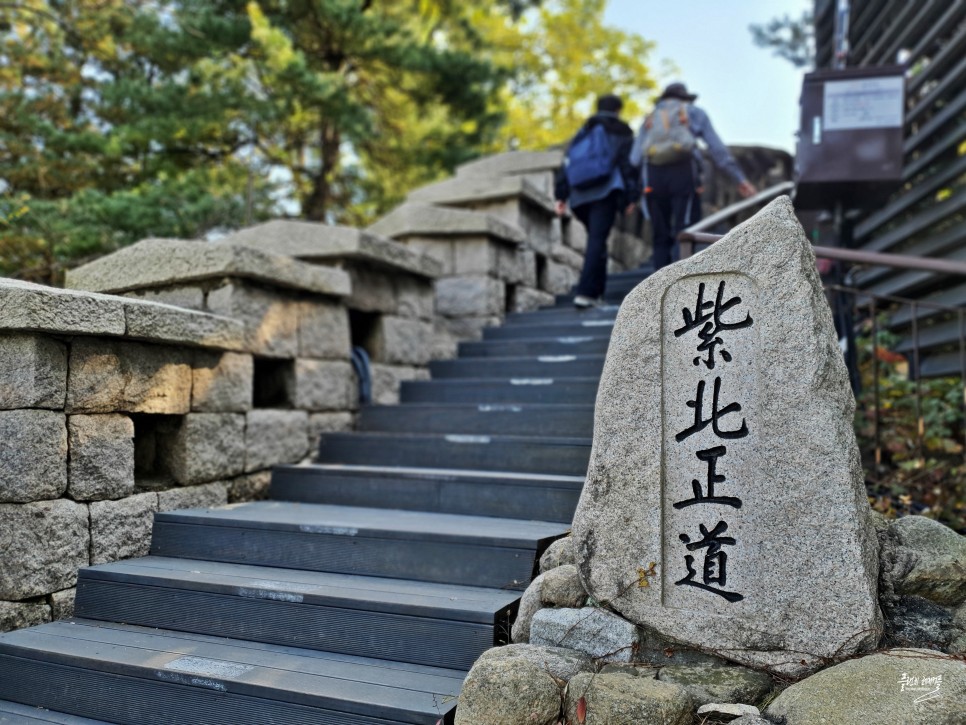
(863, 103)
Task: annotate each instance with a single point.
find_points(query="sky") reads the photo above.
(750, 94)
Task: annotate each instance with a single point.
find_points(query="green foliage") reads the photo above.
(122, 119)
(901, 477)
(790, 38)
(561, 57)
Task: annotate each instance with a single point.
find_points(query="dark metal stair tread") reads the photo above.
(558, 328)
(376, 594)
(541, 334)
(518, 359)
(467, 438)
(350, 521)
(442, 474)
(484, 408)
(520, 419)
(13, 713)
(509, 380)
(286, 674)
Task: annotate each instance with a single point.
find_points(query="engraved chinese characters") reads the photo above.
(724, 504)
(708, 338)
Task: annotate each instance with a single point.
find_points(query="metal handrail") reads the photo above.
(855, 256)
(743, 205)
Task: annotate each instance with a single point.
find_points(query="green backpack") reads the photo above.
(669, 137)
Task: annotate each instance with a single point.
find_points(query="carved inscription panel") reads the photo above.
(710, 395)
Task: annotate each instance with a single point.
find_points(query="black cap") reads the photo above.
(609, 103)
(679, 91)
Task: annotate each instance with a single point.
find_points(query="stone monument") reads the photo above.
(724, 505)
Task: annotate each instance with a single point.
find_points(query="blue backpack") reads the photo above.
(590, 159)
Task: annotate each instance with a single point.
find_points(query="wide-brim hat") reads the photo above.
(678, 90)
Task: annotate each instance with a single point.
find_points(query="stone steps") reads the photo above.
(505, 495)
(552, 346)
(524, 389)
(570, 326)
(515, 419)
(423, 546)
(365, 589)
(571, 366)
(519, 454)
(157, 677)
(13, 713)
(440, 625)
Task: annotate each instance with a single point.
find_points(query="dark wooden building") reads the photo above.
(925, 217)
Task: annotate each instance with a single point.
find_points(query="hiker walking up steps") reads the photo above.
(666, 151)
(598, 180)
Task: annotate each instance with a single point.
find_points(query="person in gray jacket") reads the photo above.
(666, 150)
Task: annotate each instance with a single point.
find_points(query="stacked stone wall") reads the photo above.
(113, 408)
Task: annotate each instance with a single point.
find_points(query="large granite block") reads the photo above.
(481, 256)
(275, 436)
(207, 495)
(33, 372)
(153, 263)
(17, 615)
(270, 317)
(250, 487)
(526, 299)
(325, 385)
(35, 307)
(332, 245)
(108, 377)
(222, 382)
(557, 278)
(428, 221)
(62, 603)
(122, 529)
(537, 167)
(204, 447)
(191, 297)
(43, 545)
(323, 330)
(470, 295)
(320, 423)
(167, 323)
(386, 380)
(725, 505)
(33, 456)
(415, 298)
(373, 290)
(401, 341)
(101, 456)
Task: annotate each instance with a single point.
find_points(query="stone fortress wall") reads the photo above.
(175, 374)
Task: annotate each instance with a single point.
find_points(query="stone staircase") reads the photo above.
(364, 590)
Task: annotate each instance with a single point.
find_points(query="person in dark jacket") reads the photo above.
(597, 206)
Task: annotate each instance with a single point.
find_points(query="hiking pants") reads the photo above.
(669, 196)
(598, 218)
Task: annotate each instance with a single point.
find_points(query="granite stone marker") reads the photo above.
(724, 504)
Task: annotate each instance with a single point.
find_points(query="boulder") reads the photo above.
(597, 632)
(530, 604)
(508, 689)
(938, 570)
(898, 687)
(714, 684)
(621, 698)
(691, 519)
(557, 554)
(562, 588)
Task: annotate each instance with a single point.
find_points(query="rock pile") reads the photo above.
(724, 561)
